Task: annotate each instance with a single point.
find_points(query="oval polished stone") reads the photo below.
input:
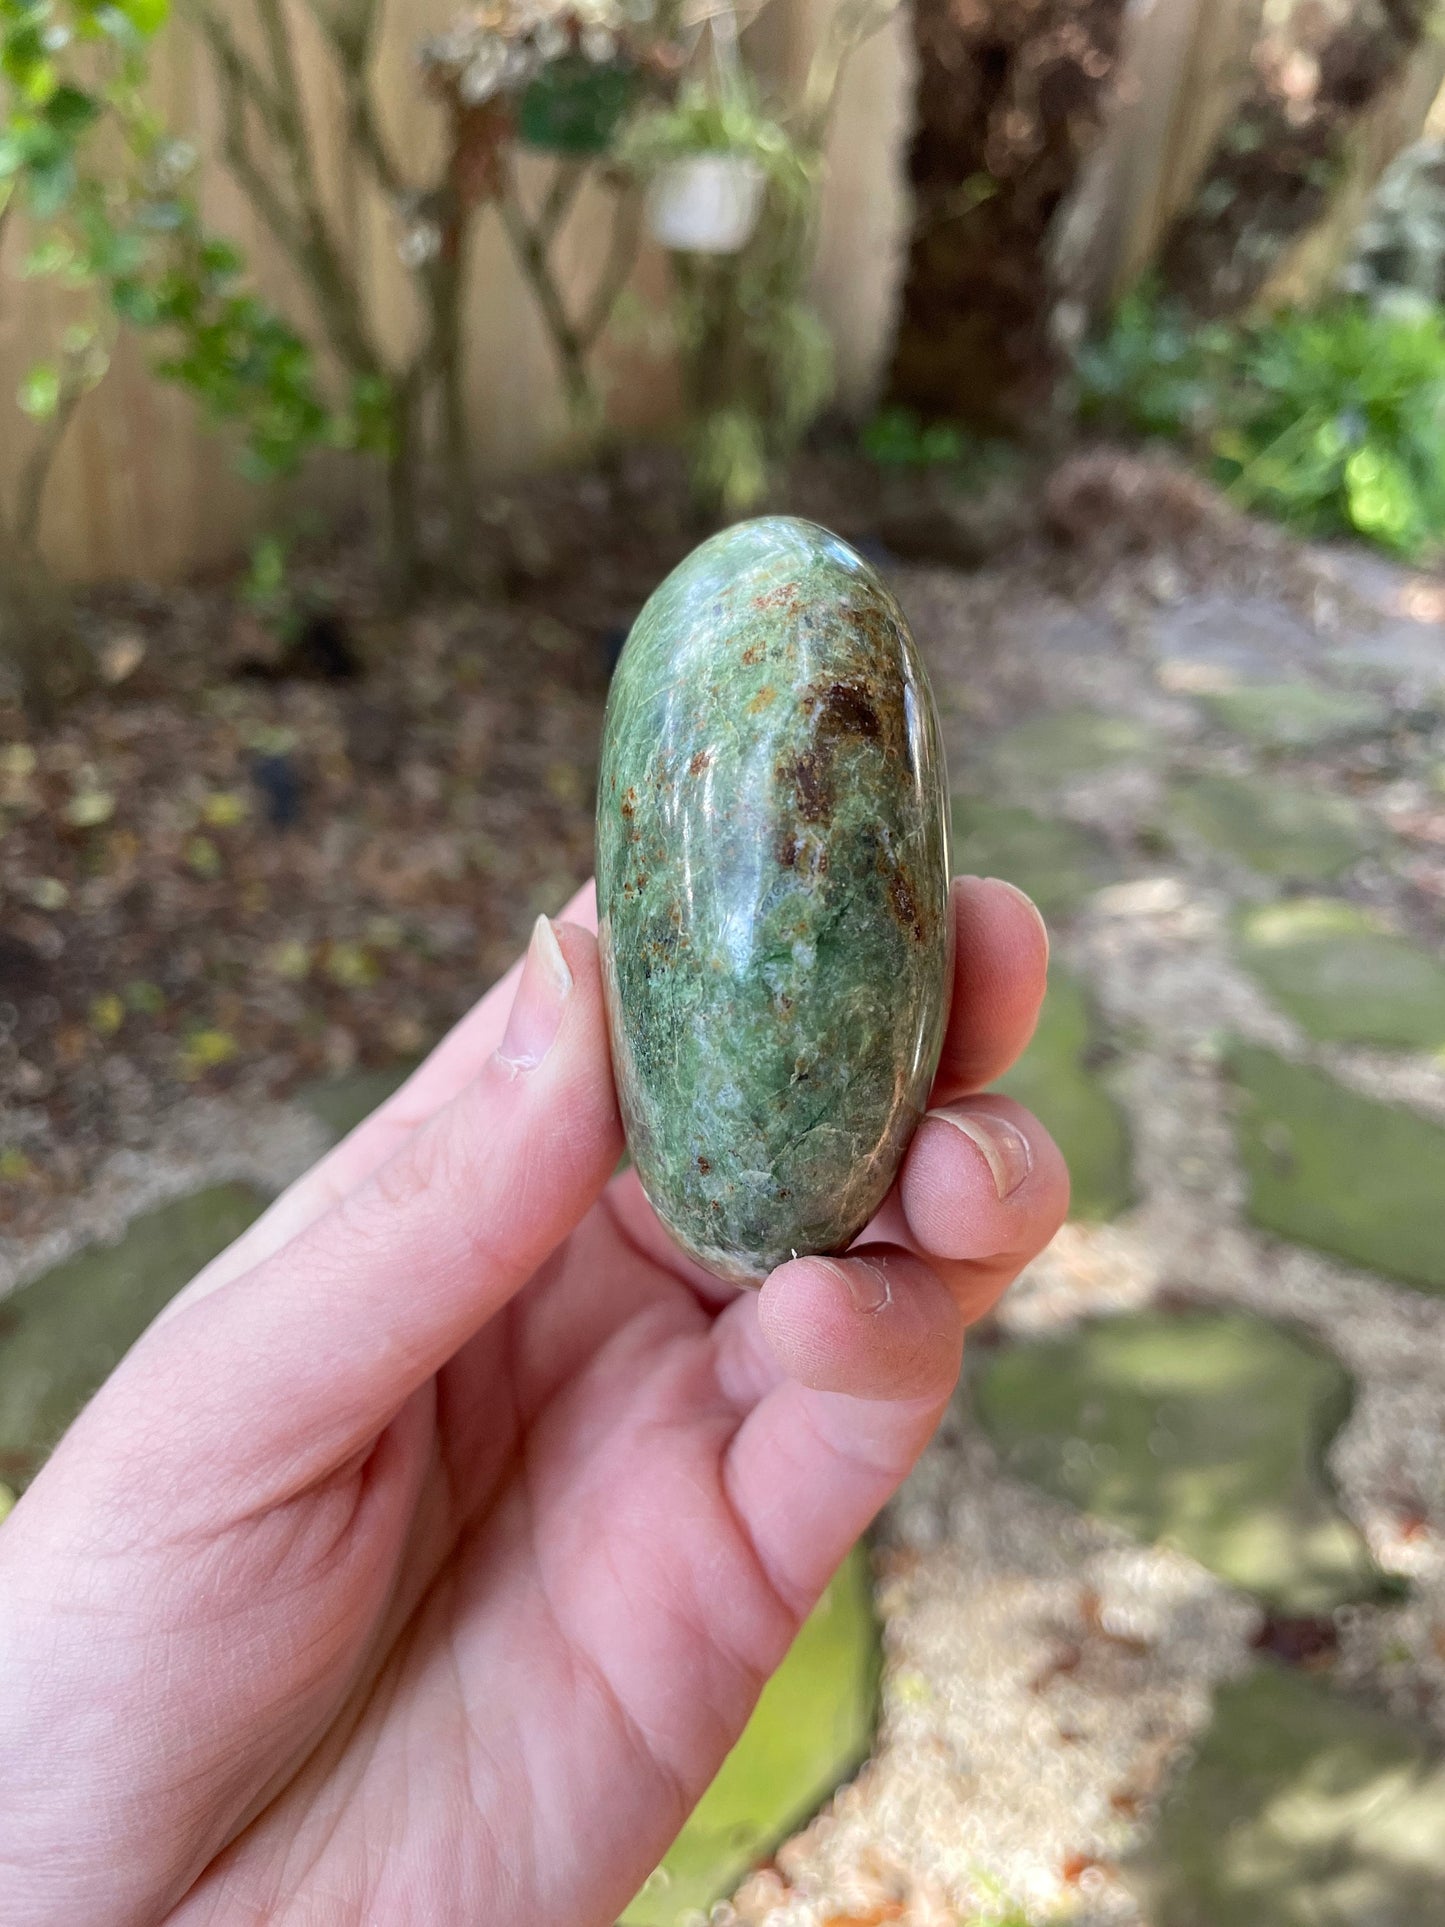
(772, 874)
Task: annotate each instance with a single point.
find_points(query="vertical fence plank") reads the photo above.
(1185, 68)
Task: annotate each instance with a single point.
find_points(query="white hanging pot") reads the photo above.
(705, 203)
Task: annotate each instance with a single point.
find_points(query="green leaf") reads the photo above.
(52, 256)
(147, 17)
(134, 302)
(39, 391)
(49, 187)
(70, 112)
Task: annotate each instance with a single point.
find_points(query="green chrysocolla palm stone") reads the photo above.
(772, 873)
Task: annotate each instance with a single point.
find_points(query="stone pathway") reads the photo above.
(1164, 1607)
(1163, 1610)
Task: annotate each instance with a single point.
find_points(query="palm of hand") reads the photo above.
(579, 1604)
(467, 1567)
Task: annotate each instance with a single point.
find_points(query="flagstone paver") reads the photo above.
(342, 1103)
(1344, 975)
(1205, 1432)
(1362, 1180)
(63, 1333)
(810, 1730)
(1301, 1808)
(1054, 1079)
(1295, 715)
(1285, 830)
(1056, 862)
(1048, 750)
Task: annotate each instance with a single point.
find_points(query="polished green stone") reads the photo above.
(772, 873)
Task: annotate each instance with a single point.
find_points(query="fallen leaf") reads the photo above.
(120, 657)
(206, 1050)
(90, 809)
(107, 1014)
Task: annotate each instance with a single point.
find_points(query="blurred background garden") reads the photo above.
(364, 366)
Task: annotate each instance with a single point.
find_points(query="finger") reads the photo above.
(983, 1190)
(871, 1367)
(1000, 972)
(878, 1324)
(455, 1061)
(293, 1367)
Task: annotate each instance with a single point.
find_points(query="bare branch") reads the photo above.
(854, 23)
(303, 231)
(566, 184)
(240, 70)
(35, 473)
(352, 40)
(535, 264)
(617, 269)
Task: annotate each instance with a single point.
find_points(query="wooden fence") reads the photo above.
(143, 488)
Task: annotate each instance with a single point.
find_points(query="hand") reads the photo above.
(423, 1561)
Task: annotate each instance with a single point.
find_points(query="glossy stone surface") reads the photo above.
(772, 873)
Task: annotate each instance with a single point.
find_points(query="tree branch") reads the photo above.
(240, 70)
(566, 184)
(617, 269)
(352, 42)
(302, 232)
(35, 472)
(532, 258)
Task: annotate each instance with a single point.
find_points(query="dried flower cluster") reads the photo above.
(498, 48)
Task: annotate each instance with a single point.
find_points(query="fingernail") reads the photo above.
(1004, 1145)
(540, 1001)
(1027, 901)
(867, 1284)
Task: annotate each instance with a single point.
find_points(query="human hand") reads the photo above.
(424, 1560)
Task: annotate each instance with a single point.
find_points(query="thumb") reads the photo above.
(288, 1370)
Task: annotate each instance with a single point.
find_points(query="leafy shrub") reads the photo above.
(1333, 421)
(898, 438)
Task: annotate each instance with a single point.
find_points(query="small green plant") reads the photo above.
(67, 70)
(898, 438)
(109, 216)
(757, 364)
(1333, 421)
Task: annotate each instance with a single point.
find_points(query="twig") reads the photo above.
(532, 257)
(617, 269)
(301, 232)
(238, 67)
(352, 44)
(854, 23)
(35, 474)
(567, 179)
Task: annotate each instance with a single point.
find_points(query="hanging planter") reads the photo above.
(706, 203)
(574, 106)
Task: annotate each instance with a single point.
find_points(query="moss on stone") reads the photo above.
(1205, 1431)
(65, 1332)
(1329, 1168)
(1054, 1080)
(1300, 1808)
(1057, 863)
(1062, 745)
(1343, 975)
(1282, 830)
(1295, 715)
(810, 1731)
